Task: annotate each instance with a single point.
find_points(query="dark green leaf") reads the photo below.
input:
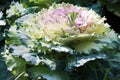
(4, 73)
(38, 72)
(81, 60)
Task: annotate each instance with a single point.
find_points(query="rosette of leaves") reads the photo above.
(53, 43)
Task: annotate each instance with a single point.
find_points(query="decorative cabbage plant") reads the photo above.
(64, 42)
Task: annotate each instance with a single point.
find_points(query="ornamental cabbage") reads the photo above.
(59, 38)
(67, 25)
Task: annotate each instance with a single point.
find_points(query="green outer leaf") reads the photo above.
(5, 74)
(12, 38)
(40, 3)
(81, 60)
(39, 71)
(16, 65)
(1, 36)
(112, 6)
(113, 1)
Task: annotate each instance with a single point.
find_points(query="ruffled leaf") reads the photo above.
(81, 60)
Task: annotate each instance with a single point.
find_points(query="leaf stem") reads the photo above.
(107, 71)
(19, 75)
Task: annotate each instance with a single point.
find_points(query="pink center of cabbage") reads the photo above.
(59, 16)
